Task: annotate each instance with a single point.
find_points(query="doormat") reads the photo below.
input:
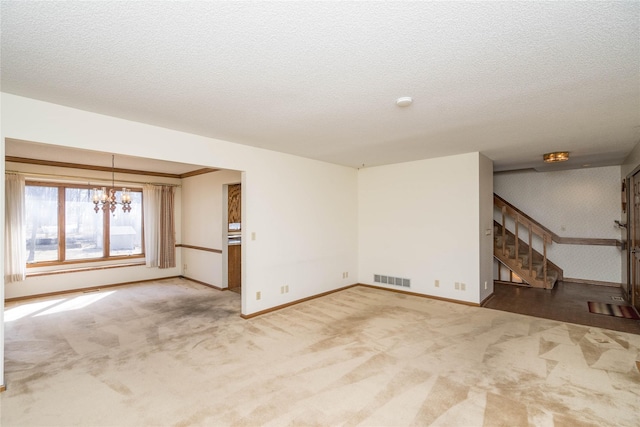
(624, 311)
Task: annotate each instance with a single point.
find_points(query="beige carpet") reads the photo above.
(176, 353)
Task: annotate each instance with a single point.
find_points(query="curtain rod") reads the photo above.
(49, 175)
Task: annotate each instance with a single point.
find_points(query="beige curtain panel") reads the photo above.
(167, 229)
(159, 226)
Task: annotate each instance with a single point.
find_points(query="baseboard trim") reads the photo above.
(289, 304)
(415, 294)
(592, 282)
(204, 283)
(89, 289)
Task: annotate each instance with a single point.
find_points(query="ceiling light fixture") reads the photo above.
(556, 156)
(404, 101)
(107, 200)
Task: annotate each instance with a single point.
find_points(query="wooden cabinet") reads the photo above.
(234, 204)
(235, 266)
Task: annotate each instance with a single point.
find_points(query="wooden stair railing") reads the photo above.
(528, 264)
(530, 273)
(500, 202)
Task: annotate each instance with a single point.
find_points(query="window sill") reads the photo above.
(83, 269)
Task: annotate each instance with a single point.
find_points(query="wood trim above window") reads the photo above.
(89, 167)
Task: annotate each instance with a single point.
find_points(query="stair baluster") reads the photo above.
(544, 263)
(541, 273)
(504, 230)
(517, 253)
(530, 250)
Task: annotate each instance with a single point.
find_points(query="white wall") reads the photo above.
(486, 227)
(203, 219)
(303, 212)
(421, 220)
(572, 203)
(304, 216)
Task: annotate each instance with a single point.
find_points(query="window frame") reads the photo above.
(106, 226)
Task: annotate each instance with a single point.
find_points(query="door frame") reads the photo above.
(225, 236)
(225, 231)
(631, 181)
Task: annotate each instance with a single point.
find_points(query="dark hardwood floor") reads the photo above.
(566, 302)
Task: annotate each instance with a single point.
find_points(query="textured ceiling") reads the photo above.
(512, 80)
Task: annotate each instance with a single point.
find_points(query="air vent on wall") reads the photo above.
(390, 280)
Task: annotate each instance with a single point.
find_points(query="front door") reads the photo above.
(634, 240)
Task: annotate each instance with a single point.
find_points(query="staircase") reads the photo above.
(519, 255)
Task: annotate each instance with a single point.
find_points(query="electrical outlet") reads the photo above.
(437, 283)
(253, 235)
(463, 287)
(184, 267)
(286, 289)
(258, 295)
(282, 289)
(485, 285)
(457, 286)
(346, 274)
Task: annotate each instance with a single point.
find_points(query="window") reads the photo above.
(63, 227)
(41, 205)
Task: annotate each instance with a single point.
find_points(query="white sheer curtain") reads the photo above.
(159, 226)
(15, 244)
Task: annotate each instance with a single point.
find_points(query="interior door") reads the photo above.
(634, 241)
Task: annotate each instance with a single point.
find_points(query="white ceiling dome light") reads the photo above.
(404, 101)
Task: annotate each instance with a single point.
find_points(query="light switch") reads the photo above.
(253, 235)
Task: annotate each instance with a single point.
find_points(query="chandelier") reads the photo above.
(106, 200)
